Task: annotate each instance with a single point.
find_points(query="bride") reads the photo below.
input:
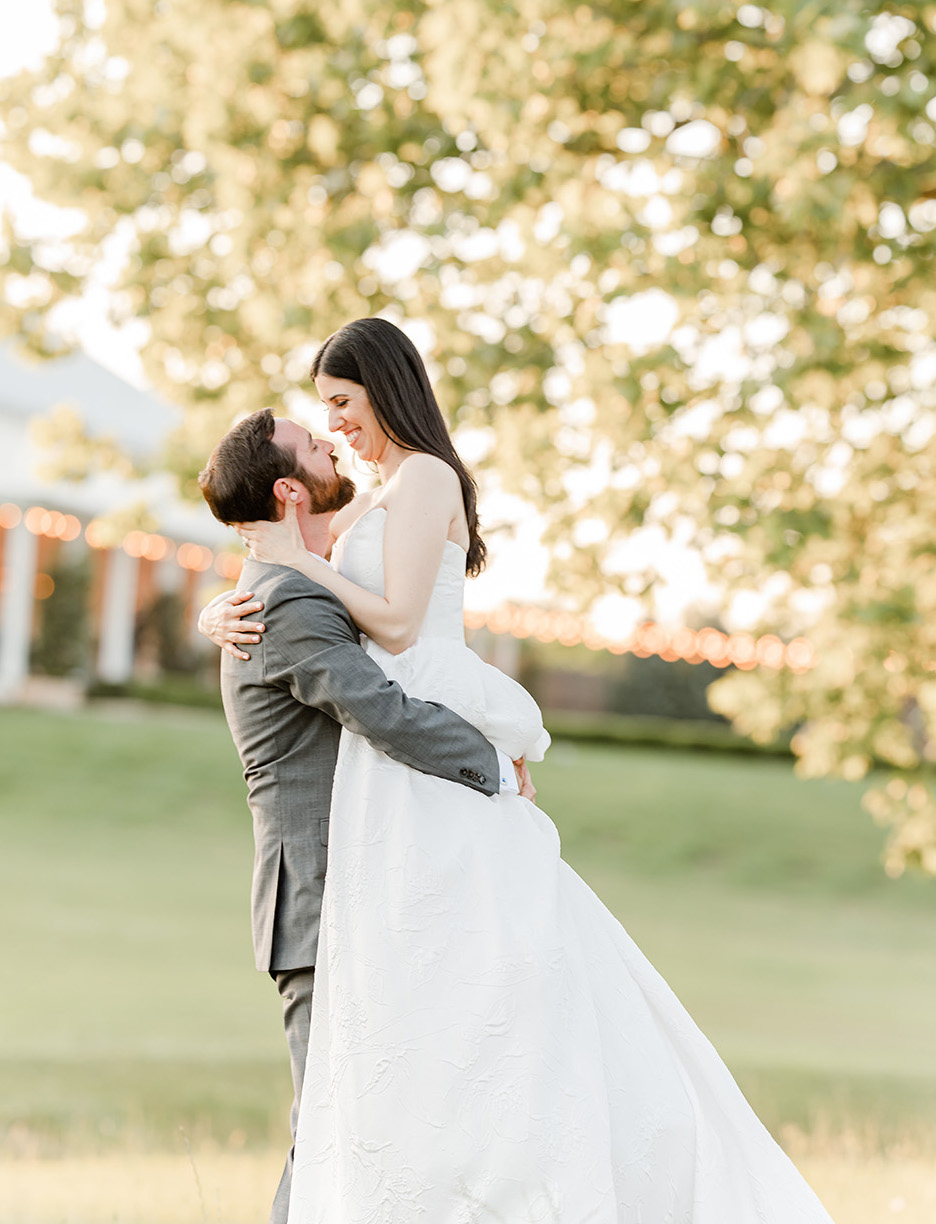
(488, 1046)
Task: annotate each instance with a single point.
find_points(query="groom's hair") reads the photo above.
(238, 481)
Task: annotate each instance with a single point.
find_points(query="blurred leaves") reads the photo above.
(69, 452)
(676, 259)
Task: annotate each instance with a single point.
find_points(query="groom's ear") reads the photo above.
(284, 488)
(282, 494)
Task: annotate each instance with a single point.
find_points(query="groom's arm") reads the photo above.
(312, 647)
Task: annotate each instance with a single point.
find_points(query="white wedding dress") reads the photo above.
(488, 1045)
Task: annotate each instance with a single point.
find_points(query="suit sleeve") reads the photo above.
(312, 647)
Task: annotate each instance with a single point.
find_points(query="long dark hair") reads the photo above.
(384, 361)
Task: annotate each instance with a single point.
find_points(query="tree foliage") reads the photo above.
(676, 258)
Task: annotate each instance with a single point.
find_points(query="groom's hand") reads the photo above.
(524, 781)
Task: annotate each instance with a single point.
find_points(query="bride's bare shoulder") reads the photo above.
(426, 474)
(426, 489)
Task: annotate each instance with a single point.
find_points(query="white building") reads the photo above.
(45, 521)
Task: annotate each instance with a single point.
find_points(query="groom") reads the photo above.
(286, 704)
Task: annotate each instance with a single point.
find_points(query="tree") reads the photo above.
(675, 258)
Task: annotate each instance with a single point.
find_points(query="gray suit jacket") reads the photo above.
(307, 679)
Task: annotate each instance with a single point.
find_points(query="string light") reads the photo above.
(195, 557)
(98, 535)
(707, 645)
(38, 520)
(44, 586)
(42, 522)
(228, 566)
(150, 547)
(101, 534)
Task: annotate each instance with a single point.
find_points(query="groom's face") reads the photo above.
(328, 490)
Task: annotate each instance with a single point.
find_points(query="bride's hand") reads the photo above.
(524, 781)
(222, 621)
(278, 543)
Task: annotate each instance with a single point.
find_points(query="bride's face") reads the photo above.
(350, 413)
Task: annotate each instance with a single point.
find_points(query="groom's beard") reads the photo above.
(326, 496)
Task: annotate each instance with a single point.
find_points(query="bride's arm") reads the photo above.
(424, 498)
(222, 621)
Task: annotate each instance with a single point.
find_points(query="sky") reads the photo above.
(29, 32)
(517, 570)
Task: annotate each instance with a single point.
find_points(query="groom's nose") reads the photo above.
(327, 446)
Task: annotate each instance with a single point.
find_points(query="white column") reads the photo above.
(17, 596)
(118, 618)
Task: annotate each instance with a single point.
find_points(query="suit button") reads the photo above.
(465, 773)
(481, 779)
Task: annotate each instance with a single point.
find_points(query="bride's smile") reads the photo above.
(351, 413)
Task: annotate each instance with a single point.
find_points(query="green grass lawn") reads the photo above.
(131, 1007)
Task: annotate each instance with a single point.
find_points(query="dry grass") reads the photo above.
(860, 1183)
(210, 1187)
(214, 1186)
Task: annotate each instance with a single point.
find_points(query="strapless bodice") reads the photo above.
(359, 557)
(439, 666)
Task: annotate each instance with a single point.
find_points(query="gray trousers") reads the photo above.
(295, 987)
